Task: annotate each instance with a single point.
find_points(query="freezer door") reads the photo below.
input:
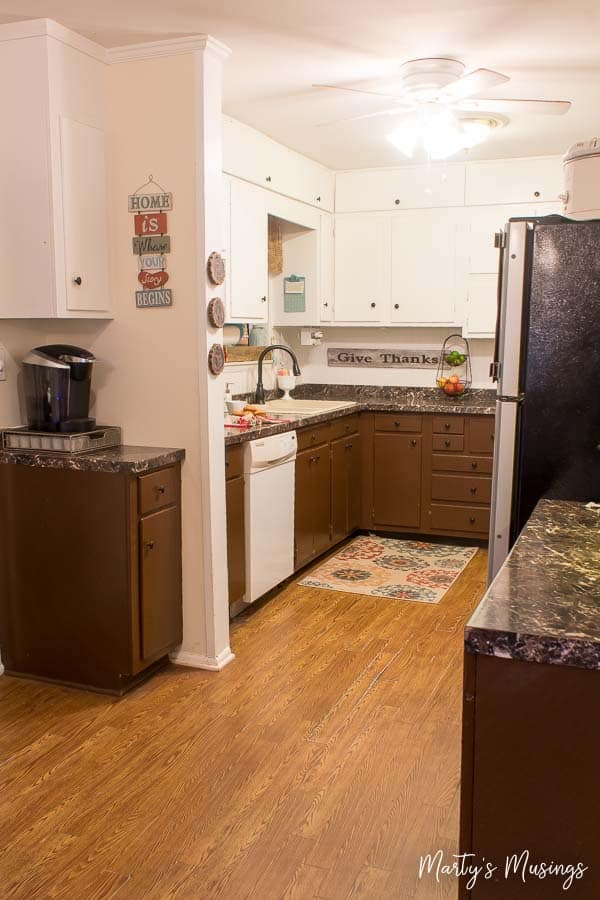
(503, 484)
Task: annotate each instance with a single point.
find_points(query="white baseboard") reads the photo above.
(197, 661)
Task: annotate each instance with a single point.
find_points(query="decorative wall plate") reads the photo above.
(216, 268)
(216, 312)
(216, 359)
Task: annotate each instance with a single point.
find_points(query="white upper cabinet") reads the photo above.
(426, 265)
(326, 267)
(362, 274)
(482, 303)
(537, 179)
(412, 187)
(248, 253)
(53, 174)
(254, 157)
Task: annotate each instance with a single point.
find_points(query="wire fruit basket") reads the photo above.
(454, 368)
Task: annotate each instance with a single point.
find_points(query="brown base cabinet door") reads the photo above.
(303, 509)
(321, 499)
(397, 480)
(345, 487)
(236, 551)
(312, 526)
(160, 582)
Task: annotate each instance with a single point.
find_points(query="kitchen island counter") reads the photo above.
(544, 604)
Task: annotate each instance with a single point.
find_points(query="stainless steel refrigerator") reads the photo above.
(547, 366)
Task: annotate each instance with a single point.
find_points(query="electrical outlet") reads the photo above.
(2, 365)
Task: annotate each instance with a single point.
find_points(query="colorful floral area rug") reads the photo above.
(389, 567)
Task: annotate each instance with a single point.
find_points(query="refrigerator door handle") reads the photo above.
(495, 366)
(506, 428)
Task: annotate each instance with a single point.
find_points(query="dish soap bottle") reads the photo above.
(228, 396)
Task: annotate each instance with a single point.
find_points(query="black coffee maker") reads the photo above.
(57, 381)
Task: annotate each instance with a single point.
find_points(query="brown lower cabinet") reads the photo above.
(345, 486)
(236, 549)
(90, 574)
(397, 460)
(312, 511)
(530, 778)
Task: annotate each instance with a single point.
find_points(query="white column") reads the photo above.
(210, 650)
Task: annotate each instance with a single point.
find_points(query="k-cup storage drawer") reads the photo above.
(448, 442)
(481, 434)
(444, 462)
(461, 488)
(310, 437)
(234, 461)
(398, 422)
(448, 425)
(158, 489)
(343, 427)
(470, 519)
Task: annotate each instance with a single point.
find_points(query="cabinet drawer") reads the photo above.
(399, 422)
(481, 434)
(234, 457)
(310, 437)
(448, 425)
(480, 465)
(462, 488)
(450, 442)
(471, 519)
(158, 489)
(342, 427)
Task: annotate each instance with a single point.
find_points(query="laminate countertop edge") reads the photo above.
(134, 460)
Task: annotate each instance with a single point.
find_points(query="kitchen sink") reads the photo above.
(301, 408)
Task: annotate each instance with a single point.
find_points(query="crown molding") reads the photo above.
(30, 28)
(171, 47)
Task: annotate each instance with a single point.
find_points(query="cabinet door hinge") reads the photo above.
(500, 240)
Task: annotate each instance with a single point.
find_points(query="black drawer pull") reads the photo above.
(148, 545)
(447, 443)
(473, 465)
(473, 490)
(160, 488)
(349, 446)
(397, 424)
(472, 520)
(447, 426)
(413, 443)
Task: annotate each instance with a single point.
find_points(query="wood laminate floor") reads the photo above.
(320, 764)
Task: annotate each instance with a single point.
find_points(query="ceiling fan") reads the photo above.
(443, 106)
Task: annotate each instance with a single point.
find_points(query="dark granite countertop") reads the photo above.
(369, 398)
(544, 604)
(134, 460)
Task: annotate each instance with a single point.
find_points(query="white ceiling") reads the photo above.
(550, 50)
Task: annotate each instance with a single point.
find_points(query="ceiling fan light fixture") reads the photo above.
(475, 131)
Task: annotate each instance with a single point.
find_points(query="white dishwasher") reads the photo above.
(269, 467)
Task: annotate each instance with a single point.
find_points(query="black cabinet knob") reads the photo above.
(413, 443)
(318, 199)
(397, 201)
(373, 305)
(268, 178)
(160, 489)
(473, 490)
(536, 193)
(397, 424)
(447, 426)
(326, 305)
(77, 280)
(446, 443)
(148, 545)
(263, 299)
(472, 520)
(473, 465)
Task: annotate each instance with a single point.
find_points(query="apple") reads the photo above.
(459, 388)
(454, 379)
(449, 388)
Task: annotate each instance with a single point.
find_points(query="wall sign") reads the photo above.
(383, 358)
(151, 243)
(153, 299)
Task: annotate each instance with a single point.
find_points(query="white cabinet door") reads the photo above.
(248, 263)
(411, 187)
(537, 179)
(85, 217)
(482, 305)
(326, 268)
(425, 270)
(362, 285)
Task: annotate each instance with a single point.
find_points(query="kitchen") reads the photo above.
(333, 262)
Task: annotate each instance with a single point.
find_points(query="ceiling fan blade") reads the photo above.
(338, 87)
(471, 84)
(508, 107)
(391, 111)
